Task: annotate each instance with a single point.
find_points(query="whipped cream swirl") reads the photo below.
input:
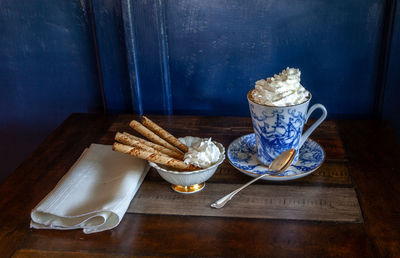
(283, 89)
(202, 153)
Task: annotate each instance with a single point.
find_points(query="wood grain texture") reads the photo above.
(330, 173)
(29, 253)
(374, 152)
(164, 235)
(310, 203)
(367, 162)
(38, 175)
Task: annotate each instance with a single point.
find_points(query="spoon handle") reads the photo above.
(224, 200)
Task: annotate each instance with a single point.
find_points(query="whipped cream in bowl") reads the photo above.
(204, 153)
(281, 90)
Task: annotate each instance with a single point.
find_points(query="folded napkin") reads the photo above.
(95, 193)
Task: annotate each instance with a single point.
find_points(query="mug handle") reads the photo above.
(305, 135)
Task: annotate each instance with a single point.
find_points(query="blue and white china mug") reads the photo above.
(280, 128)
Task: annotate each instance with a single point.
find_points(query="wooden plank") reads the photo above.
(329, 174)
(372, 150)
(31, 253)
(38, 175)
(257, 201)
(196, 236)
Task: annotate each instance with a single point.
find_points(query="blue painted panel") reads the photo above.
(391, 107)
(111, 50)
(189, 57)
(131, 56)
(150, 56)
(218, 49)
(47, 71)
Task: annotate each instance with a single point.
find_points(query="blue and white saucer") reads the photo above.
(242, 154)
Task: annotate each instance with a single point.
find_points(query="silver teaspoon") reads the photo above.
(278, 165)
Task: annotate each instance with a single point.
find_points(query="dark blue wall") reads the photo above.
(391, 108)
(47, 71)
(110, 43)
(187, 57)
(216, 50)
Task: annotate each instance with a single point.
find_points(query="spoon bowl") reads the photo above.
(283, 161)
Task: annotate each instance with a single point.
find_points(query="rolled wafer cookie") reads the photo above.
(150, 135)
(122, 138)
(156, 158)
(172, 153)
(164, 134)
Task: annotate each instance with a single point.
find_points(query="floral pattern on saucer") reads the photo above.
(242, 154)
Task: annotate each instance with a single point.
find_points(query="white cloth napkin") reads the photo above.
(95, 193)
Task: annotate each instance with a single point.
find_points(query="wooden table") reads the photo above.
(368, 149)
